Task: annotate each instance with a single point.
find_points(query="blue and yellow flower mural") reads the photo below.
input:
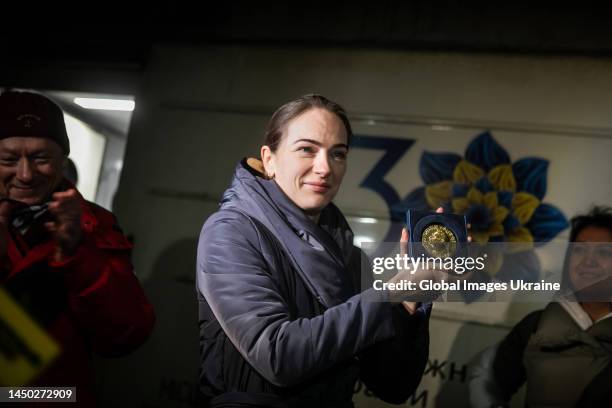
(502, 200)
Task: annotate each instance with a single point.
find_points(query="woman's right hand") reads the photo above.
(411, 307)
(415, 276)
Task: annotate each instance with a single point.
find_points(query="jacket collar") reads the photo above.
(318, 255)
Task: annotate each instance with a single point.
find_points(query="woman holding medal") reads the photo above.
(282, 319)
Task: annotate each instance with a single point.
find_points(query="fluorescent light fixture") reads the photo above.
(441, 127)
(366, 220)
(106, 104)
(360, 239)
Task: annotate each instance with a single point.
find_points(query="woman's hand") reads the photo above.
(411, 307)
(422, 274)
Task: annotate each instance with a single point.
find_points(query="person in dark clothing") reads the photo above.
(282, 319)
(563, 352)
(64, 259)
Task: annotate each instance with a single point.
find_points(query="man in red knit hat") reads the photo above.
(64, 259)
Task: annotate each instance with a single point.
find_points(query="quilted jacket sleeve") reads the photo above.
(236, 281)
(393, 368)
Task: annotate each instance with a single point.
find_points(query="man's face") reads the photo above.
(30, 168)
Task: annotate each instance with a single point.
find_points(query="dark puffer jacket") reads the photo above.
(282, 322)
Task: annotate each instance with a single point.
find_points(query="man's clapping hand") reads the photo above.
(65, 207)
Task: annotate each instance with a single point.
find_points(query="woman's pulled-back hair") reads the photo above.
(291, 110)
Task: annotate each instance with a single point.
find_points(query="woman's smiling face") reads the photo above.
(310, 160)
(590, 262)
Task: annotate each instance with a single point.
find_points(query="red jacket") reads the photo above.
(99, 304)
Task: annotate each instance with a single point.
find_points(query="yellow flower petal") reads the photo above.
(502, 178)
(520, 234)
(494, 259)
(474, 196)
(496, 230)
(467, 173)
(438, 193)
(521, 240)
(480, 237)
(524, 205)
(499, 214)
(490, 200)
(460, 205)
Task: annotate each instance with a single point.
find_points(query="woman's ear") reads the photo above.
(267, 158)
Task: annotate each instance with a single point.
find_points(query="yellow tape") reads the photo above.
(25, 348)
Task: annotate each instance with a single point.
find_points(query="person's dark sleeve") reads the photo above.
(483, 388)
(392, 369)
(598, 393)
(105, 296)
(508, 369)
(236, 281)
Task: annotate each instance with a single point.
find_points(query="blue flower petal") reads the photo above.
(511, 223)
(448, 208)
(479, 216)
(505, 198)
(484, 185)
(460, 190)
(435, 167)
(496, 238)
(530, 174)
(485, 152)
(415, 200)
(547, 221)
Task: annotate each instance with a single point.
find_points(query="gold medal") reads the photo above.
(439, 240)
